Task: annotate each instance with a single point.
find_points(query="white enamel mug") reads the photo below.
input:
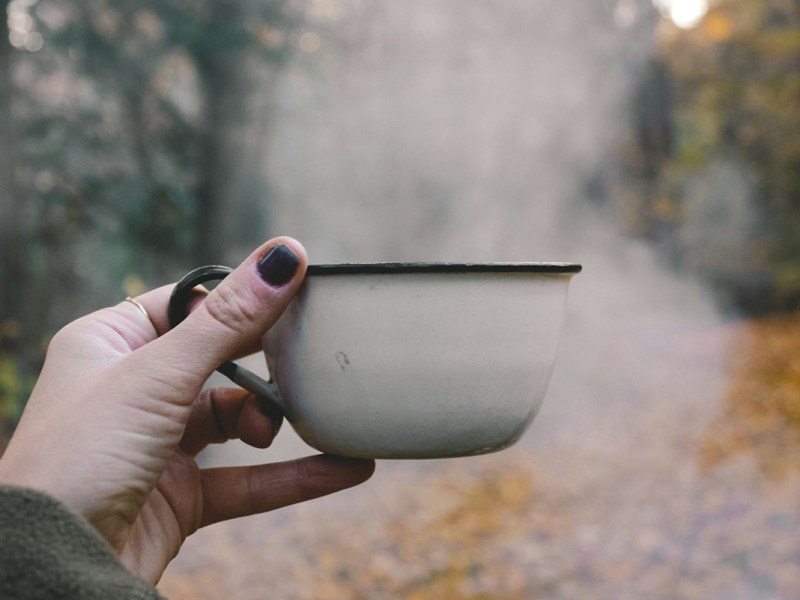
(409, 360)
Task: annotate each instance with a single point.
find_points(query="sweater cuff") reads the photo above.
(46, 551)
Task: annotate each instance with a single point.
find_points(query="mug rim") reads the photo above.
(442, 267)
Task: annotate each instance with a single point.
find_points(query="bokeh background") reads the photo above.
(657, 142)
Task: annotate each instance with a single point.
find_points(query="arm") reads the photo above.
(48, 552)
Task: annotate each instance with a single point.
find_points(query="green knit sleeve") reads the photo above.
(47, 552)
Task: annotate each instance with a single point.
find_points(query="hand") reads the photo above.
(118, 415)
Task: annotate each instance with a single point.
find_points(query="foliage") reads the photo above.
(713, 171)
(15, 387)
(132, 137)
(122, 117)
(761, 409)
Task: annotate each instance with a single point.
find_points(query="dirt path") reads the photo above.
(643, 477)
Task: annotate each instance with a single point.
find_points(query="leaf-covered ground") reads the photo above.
(665, 494)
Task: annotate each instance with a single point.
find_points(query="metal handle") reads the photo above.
(178, 310)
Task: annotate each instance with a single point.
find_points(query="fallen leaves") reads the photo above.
(761, 409)
(666, 491)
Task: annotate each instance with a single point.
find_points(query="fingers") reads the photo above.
(156, 303)
(244, 305)
(123, 327)
(229, 322)
(143, 328)
(222, 414)
(233, 492)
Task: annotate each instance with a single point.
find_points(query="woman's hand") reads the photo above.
(118, 415)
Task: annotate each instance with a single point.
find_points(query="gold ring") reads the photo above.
(138, 305)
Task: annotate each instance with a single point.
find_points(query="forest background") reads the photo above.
(121, 125)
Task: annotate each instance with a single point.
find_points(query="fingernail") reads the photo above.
(278, 265)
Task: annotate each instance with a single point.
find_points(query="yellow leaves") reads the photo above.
(10, 385)
(717, 26)
(488, 510)
(778, 43)
(13, 391)
(133, 285)
(9, 378)
(483, 506)
(774, 101)
(761, 412)
(10, 329)
(449, 537)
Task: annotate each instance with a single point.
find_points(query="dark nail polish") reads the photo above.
(278, 265)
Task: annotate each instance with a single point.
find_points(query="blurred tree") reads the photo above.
(181, 147)
(131, 120)
(9, 267)
(8, 391)
(722, 99)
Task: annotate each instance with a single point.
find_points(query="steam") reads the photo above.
(449, 130)
(463, 131)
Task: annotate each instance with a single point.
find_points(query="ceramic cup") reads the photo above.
(397, 360)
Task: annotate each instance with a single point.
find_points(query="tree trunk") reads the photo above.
(231, 198)
(11, 254)
(209, 242)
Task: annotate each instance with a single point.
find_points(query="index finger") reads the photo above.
(156, 305)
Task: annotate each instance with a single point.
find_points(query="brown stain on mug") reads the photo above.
(342, 359)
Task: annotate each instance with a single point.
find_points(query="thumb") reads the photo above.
(229, 322)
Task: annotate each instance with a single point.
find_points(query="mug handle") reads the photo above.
(178, 310)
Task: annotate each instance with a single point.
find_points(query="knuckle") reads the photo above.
(231, 310)
(254, 490)
(61, 339)
(65, 338)
(211, 400)
(305, 481)
(172, 383)
(101, 324)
